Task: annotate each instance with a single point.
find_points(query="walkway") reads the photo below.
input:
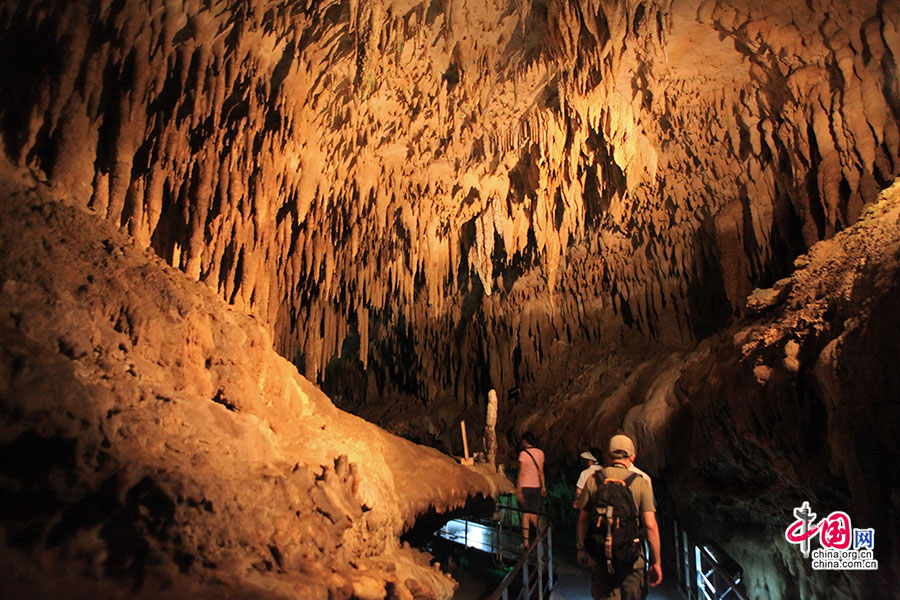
(574, 582)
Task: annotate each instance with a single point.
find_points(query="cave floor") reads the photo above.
(574, 582)
(576, 585)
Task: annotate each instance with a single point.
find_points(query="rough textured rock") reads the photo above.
(566, 200)
(799, 404)
(152, 442)
(795, 402)
(524, 178)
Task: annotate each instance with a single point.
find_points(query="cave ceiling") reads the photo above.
(437, 198)
(652, 214)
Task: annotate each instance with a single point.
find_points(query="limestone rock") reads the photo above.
(153, 444)
(819, 426)
(370, 178)
(567, 201)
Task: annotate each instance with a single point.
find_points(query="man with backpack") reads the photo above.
(616, 512)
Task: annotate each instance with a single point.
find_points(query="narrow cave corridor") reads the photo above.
(259, 260)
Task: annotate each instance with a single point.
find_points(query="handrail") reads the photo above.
(519, 509)
(705, 571)
(539, 553)
(529, 587)
(716, 574)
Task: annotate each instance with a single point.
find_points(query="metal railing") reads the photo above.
(533, 585)
(705, 571)
(499, 537)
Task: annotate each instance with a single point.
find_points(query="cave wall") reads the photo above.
(798, 403)
(793, 402)
(154, 445)
(531, 180)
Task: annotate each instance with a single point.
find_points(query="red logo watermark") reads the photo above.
(842, 545)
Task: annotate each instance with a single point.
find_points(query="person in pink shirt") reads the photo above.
(531, 487)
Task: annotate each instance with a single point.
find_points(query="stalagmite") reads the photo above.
(490, 429)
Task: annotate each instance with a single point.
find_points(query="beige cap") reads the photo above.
(621, 442)
(586, 454)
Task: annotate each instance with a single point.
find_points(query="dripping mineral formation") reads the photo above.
(656, 215)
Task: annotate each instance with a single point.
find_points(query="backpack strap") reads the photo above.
(629, 479)
(600, 474)
(607, 546)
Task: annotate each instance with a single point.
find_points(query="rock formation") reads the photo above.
(566, 200)
(154, 444)
(513, 175)
(796, 403)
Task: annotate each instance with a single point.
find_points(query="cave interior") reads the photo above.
(260, 258)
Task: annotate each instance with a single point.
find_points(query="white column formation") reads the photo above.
(490, 429)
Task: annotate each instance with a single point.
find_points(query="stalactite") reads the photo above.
(633, 151)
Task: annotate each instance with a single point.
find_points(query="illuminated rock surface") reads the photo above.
(419, 202)
(152, 436)
(800, 403)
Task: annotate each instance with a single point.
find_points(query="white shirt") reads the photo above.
(589, 472)
(634, 469)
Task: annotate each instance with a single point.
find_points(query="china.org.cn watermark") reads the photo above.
(843, 547)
